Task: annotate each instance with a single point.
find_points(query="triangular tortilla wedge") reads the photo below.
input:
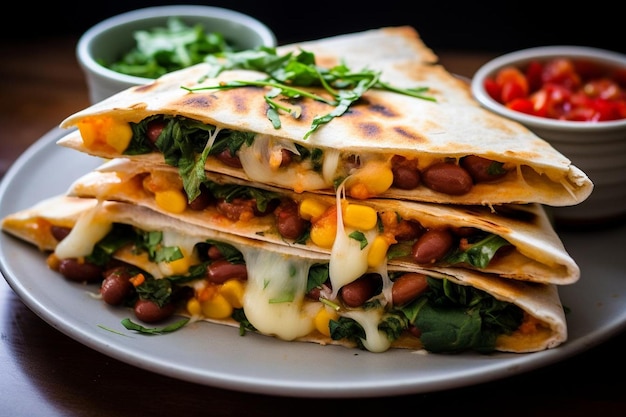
(448, 127)
(534, 253)
(271, 268)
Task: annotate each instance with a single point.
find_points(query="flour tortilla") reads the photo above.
(381, 124)
(539, 301)
(539, 256)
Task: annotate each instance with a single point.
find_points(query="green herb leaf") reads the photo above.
(360, 237)
(165, 49)
(130, 325)
(479, 254)
(286, 73)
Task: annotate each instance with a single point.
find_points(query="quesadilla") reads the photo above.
(396, 125)
(142, 257)
(514, 241)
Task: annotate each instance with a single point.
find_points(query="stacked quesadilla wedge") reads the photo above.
(283, 291)
(378, 208)
(416, 135)
(515, 241)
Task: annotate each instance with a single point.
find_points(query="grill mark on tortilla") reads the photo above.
(369, 130)
(382, 110)
(409, 135)
(147, 87)
(197, 101)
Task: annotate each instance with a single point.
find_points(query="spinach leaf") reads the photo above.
(451, 318)
(479, 254)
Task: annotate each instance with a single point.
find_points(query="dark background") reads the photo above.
(444, 25)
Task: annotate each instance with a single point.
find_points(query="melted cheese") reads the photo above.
(88, 230)
(140, 260)
(347, 260)
(256, 163)
(274, 298)
(375, 340)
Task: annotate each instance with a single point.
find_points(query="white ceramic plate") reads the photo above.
(217, 356)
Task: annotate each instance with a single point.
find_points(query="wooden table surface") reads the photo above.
(46, 373)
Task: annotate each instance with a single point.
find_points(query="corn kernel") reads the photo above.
(360, 217)
(179, 266)
(233, 290)
(323, 318)
(193, 307)
(323, 234)
(378, 251)
(217, 307)
(172, 201)
(373, 179)
(90, 132)
(102, 132)
(311, 208)
(119, 136)
(324, 229)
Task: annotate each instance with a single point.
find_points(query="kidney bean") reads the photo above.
(116, 286)
(432, 246)
(316, 292)
(203, 200)
(60, 232)
(228, 159)
(214, 253)
(406, 175)
(447, 178)
(221, 271)
(77, 271)
(149, 312)
(154, 129)
(288, 221)
(357, 292)
(482, 169)
(407, 287)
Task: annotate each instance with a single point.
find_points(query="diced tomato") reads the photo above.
(522, 105)
(562, 88)
(492, 89)
(605, 109)
(561, 71)
(512, 75)
(603, 88)
(581, 114)
(533, 75)
(557, 100)
(511, 91)
(540, 103)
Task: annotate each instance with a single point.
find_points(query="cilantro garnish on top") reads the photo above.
(292, 70)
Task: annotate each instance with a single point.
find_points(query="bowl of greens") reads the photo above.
(136, 47)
